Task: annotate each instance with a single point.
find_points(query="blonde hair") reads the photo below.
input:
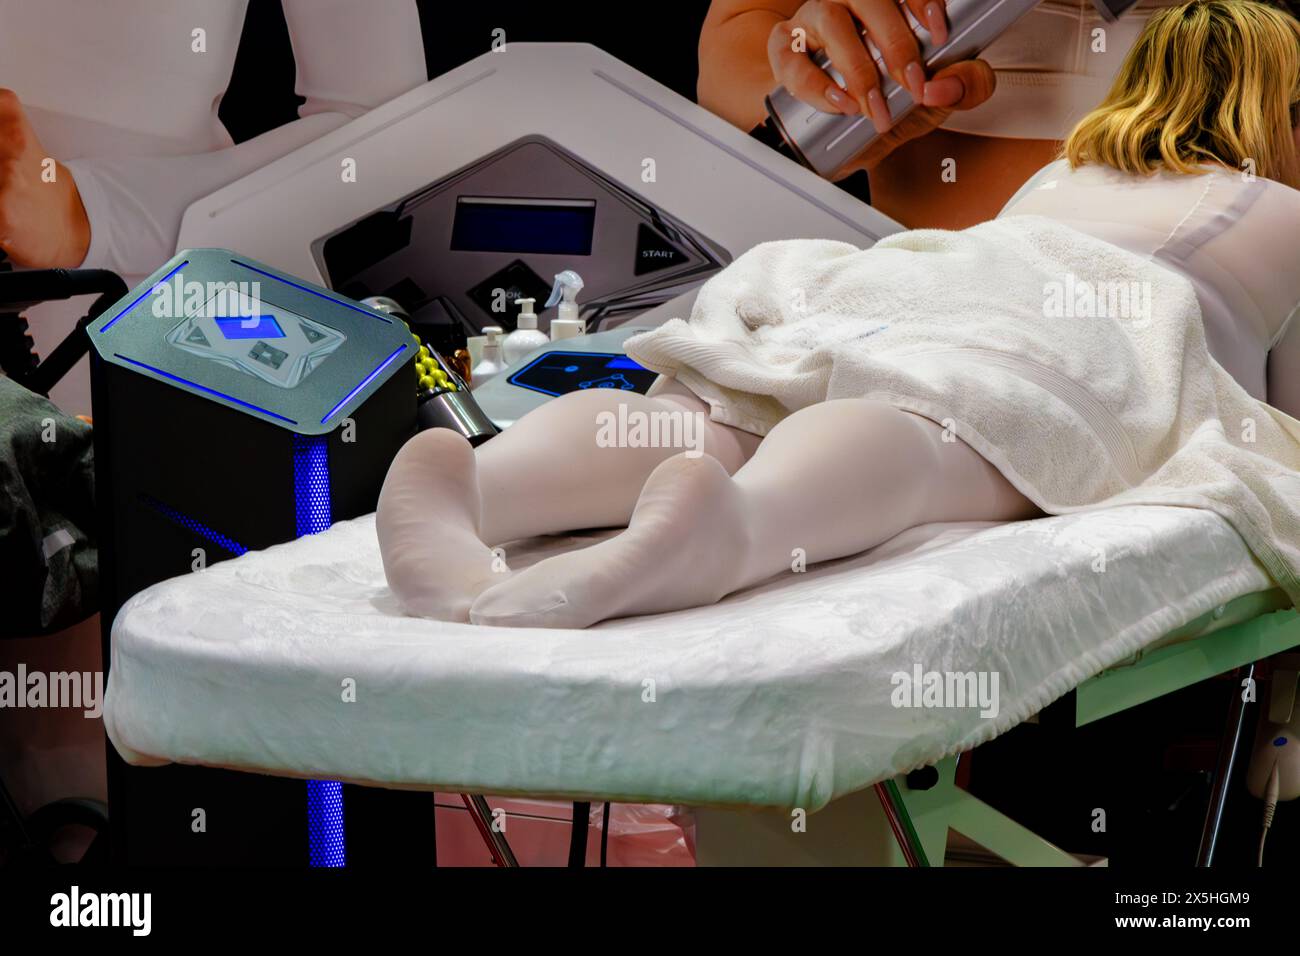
(1207, 82)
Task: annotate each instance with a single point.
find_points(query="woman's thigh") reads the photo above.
(967, 486)
(731, 446)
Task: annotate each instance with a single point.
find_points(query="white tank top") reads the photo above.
(1053, 67)
(1233, 237)
(136, 77)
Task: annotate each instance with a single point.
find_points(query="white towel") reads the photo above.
(1081, 403)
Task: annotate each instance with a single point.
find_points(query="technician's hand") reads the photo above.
(835, 26)
(42, 223)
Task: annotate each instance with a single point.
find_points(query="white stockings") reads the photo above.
(727, 512)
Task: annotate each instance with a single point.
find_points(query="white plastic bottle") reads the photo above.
(490, 363)
(568, 322)
(525, 337)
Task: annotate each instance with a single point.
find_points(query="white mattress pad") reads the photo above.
(296, 661)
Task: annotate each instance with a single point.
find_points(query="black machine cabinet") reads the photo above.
(223, 426)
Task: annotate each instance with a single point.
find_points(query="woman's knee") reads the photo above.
(432, 448)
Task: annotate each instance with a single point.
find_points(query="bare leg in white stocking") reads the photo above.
(443, 504)
(831, 480)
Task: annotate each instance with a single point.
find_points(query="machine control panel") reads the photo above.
(260, 341)
(558, 372)
(499, 229)
(256, 337)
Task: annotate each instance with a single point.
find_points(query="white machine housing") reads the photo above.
(679, 159)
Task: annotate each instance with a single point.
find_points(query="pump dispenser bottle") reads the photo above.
(490, 364)
(525, 337)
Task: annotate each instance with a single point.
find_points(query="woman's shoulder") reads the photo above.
(1242, 202)
(1209, 192)
(1273, 202)
(1045, 178)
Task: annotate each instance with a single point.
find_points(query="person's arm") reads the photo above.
(749, 47)
(119, 213)
(350, 56)
(134, 204)
(734, 71)
(124, 213)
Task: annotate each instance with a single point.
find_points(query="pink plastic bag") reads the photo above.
(538, 832)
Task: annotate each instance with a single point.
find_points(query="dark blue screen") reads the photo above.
(523, 227)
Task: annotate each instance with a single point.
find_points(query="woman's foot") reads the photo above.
(427, 522)
(683, 547)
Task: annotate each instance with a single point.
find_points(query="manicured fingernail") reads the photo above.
(914, 79)
(841, 100)
(935, 23)
(946, 91)
(878, 111)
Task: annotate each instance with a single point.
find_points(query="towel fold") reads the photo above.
(1078, 369)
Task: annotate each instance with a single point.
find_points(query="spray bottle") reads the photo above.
(568, 322)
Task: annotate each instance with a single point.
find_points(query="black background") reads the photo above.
(658, 39)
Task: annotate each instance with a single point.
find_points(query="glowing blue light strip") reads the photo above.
(313, 513)
(311, 484)
(108, 325)
(364, 382)
(193, 524)
(204, 388)
(319, 295)
(325, 823)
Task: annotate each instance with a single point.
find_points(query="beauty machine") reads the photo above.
(474, 190)
(236, 407)
(276, 412)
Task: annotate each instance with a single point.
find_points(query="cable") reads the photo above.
(1270, 807)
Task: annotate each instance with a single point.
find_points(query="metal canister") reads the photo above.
(827, 142)
(457, 410)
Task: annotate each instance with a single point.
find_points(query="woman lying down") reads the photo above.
(1052, 360)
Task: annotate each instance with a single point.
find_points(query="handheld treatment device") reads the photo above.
(444, 397)
(235, 407)
(827, 142)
